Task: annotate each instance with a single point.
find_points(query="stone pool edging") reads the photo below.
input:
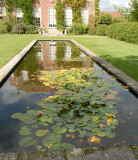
(7, 69)
(96, 153)
(130, 82)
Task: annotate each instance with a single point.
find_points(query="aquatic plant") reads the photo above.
(83, 103)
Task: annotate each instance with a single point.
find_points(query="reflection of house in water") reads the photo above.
(45, 56)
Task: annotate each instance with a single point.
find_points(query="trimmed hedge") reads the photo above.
(100, 30)
(127, 32)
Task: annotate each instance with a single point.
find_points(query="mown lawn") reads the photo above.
(122, 55)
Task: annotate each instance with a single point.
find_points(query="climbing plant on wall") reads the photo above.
(97, 12)
(26, 7)
(60, 16)
(76, 6)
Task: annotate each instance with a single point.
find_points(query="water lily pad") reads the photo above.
(59, 130)
(67, 135)
(51, 138)
(110, 135)
(72, 130)
(101, 134)
(34, 126)
(29, 120)
(42, 119)
(114, 122)
(67, 146)
(16, 115)
(39, 148)
(42, 133)
(94, 119)
(25, 131)
(27, 142)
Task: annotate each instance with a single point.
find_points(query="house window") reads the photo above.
(19, 14)
(68, 52)
(25, 76)
(84, 15)
(37, 15)
(52, 51)
(52, 17)
(68, 16)
(3, 11)
(39, 53)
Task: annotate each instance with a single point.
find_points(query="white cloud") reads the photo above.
(107, 5)
(9, 95)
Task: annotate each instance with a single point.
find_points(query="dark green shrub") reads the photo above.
(19, 28)
(100, 30)
(10, 21)
(85, 28)
(105, 18)
(123, 31)
(31, 29)
(3, 27)
(91, 32)
(76, 28)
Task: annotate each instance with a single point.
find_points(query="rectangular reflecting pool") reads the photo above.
(58, 98)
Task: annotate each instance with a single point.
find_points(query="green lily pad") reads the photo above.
(16, 115)
(54, 147)
(42, 119)
(25, 131)
(94, 119)
(27, 142)
(59, 130)
(67, 135)
(67, 146)
(34, 126)
(72, 130)
(101, 134)
(39, 148)
(110, 135)
(51, 138)
(114, 122)
(30, 120)
(42, 133)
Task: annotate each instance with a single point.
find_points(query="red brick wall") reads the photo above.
(44, 10)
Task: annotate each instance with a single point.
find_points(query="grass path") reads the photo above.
(122, 55)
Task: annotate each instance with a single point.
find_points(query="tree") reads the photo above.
(134, 9)
(131, 14)
(105, 18)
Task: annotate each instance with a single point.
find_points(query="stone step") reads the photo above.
(52, 32)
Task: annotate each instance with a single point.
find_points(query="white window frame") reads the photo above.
(53, 15)
(18, 13)
(3, 9)
(84, 15)
(68, 16)
(68, 52)
(37, 15)
(25, 77)
(52, 51)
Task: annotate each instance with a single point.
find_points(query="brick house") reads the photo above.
(44, 13)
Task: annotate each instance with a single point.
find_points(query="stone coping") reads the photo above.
(131, 83)
(96, 153)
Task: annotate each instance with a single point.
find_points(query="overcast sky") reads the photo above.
(107, 5)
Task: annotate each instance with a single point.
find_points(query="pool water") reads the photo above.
(25, 91)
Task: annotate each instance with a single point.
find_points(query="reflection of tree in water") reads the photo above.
(31, 65)
(74, 61)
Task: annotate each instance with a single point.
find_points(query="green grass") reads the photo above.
(121, 54)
